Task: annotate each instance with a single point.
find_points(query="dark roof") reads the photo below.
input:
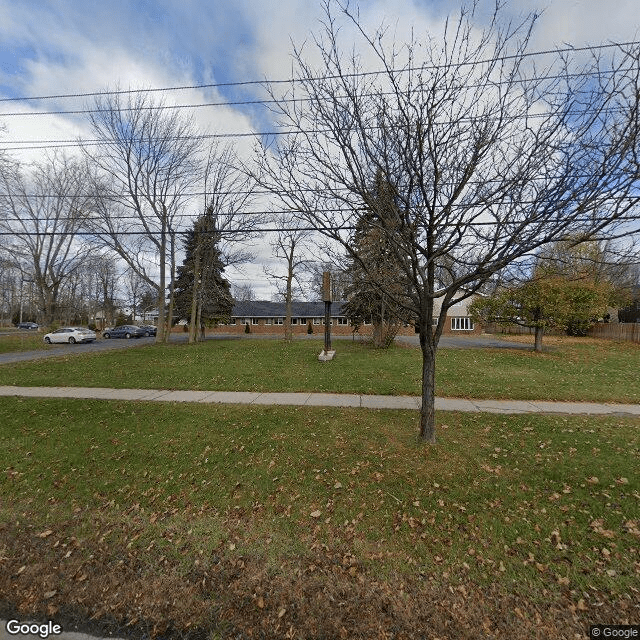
(268, 309)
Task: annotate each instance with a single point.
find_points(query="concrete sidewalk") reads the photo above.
(324, 400)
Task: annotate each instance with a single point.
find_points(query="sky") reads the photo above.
(53, 47)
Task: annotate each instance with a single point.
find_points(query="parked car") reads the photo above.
(124, 331)
(70, 335)
(28, 325)
(149, 329)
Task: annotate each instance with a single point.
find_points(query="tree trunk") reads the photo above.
(172, 295)
(538, 342)
(163, 283)
(194, 321)
(427, 408)
(377, 333)
(288, 332)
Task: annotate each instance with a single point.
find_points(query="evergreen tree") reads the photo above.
(203, 296)
(377, 283)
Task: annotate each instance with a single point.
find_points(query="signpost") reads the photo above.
(327, 353)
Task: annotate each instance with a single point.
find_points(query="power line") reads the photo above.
(71, 144)
(251, 230)
(267, 101)
(568, 49)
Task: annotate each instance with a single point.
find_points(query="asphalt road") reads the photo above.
(55, 350)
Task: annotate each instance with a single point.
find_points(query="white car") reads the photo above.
(70, 335)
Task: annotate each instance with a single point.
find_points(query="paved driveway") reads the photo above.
(71, 349)
(54, 350)
(481, 341)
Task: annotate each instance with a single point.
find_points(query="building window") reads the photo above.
(278, 321)
(294, 320)
(317, 321)
(343, 321)
(461, 324)
(268, 321)
(254, 321)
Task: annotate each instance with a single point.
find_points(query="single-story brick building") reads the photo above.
(265, 317)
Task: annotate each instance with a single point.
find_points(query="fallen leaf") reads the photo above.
(315, 514)
(49, 594)
(45, 534)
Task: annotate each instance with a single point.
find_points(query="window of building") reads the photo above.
(343, 321)
(294, 320)
(461, 324)
(317, 321)
(268, 321)
(278, 321)
(254, 321)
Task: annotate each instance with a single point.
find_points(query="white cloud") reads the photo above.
(77, 47)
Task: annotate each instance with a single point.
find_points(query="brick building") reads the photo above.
(265, 317)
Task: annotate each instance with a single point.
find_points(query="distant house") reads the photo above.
(265, 317)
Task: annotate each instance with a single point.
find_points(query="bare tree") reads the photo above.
(488, 157)
(243, 292)
(339, 280)
(43, 210)
(290, 244)
(148, 159)
(229, 192)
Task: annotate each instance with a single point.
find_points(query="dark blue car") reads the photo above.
(124, 331)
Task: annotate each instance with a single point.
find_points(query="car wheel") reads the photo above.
(146, 334)
(72, 340)
(106, 335)
(127, 335)
(47, 340)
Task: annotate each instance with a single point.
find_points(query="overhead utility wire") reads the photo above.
(71, 144)
(568, 49)
(488, 223)
(266, 101)
(325, 192)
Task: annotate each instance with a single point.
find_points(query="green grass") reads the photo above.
(534, 505)
(586, 370)
(21, 341)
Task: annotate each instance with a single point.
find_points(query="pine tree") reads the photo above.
(203, 296)
(377, 282)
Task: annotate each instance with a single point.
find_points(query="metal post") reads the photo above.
(327, 326)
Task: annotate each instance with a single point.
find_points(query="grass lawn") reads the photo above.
(318, 522)
(21, 341)
(572, 370)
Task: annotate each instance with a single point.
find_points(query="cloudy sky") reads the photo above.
(53, 47)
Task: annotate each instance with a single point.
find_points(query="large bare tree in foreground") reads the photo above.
(488, 155)
(147, 160)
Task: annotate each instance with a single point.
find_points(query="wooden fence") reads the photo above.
(627, 331)
(624, 331)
